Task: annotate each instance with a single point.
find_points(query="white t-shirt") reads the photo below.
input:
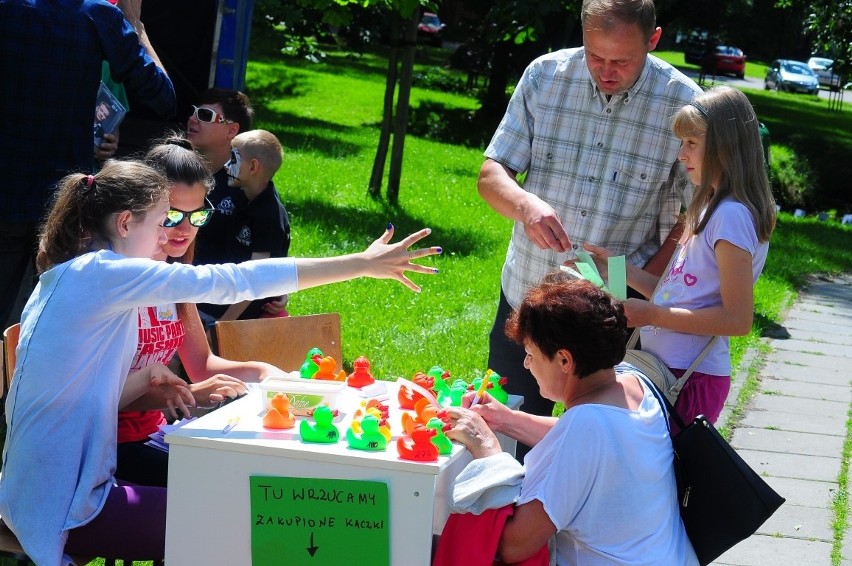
(693, 283)
(606, 480)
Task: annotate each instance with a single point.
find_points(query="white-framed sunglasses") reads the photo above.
(209, 116)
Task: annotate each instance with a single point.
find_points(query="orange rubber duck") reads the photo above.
(424, 411)
(279, 416)
(326, 367)
(360, 375)
(407, 397)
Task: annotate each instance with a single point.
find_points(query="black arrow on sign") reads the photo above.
(312, 549)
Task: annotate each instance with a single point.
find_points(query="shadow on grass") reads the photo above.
(350, 223)
(456, 126)
(307, 134)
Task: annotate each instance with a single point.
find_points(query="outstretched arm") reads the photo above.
(382, 260)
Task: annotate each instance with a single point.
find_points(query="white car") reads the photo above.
(792, 76)
(822, 69)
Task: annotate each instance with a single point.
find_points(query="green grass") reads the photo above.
(840, 502)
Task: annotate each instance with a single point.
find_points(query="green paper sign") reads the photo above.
(318, 522)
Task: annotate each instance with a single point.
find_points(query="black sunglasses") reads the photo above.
(197, 218)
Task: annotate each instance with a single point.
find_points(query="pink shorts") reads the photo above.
(702, 394)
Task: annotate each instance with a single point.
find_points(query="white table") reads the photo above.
(209, 511)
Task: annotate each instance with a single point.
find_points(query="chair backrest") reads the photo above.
(10, 343)
(283, 342)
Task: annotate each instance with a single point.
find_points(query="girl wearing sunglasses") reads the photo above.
(57, 492)
(213, 379)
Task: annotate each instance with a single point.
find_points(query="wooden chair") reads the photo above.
(283, 342)
(10, 342)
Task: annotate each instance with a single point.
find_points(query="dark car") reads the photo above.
(431, 29)
(792, 76)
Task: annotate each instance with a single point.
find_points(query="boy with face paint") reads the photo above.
(260, 227)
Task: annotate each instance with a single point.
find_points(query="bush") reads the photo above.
(792, 178)
(436, 78)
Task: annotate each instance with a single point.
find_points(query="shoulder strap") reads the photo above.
(668, 410)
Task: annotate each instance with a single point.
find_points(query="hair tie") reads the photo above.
(698, 106)
(88, 182)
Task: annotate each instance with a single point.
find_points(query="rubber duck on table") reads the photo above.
(494, 387)
(450, 395)
(310, 367)
(440, 440)
(407, 396)
(370, 439)
(360, 376)
(420, 447)
(377, 409)
(423, 412)
(279, 416)
(322, 430)
(325, 369)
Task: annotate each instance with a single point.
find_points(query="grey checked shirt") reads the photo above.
(608, 168)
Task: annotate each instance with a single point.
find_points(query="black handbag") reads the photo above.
(722, 500)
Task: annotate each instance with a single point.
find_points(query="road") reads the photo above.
(750, 83)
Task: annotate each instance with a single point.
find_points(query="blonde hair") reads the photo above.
(733, 158)
(263, 146)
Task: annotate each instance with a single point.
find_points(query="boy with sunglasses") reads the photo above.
(219, 117)
(260, 227)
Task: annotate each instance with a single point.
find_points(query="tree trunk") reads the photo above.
(495, 101)
(378, 172)
(402, 104)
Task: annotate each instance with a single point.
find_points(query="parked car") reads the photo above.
(694, 51)
(792, 76)
(826, 76)
(431, 29)
(724, 59)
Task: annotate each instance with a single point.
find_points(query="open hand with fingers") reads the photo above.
(391, 261)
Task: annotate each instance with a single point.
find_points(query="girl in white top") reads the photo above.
(600, 478)
(77, 332)
(709, 287)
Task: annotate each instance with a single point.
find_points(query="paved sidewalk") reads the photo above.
(794, 428)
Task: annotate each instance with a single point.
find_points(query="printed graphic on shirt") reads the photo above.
(160, 335)
(226, 206)
(672, 288)
(244, 237)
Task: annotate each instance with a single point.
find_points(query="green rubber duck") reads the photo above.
(371, 437)
(440, 440)
(322, 431)
(310, 367)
